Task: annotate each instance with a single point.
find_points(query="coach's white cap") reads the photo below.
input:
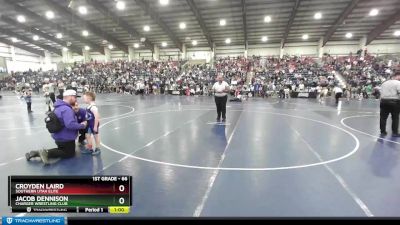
(69, 93)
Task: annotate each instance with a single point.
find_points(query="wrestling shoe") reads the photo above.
(87, 151)
(96, 151)
(31, 155)
(44, 156)
(82, 144)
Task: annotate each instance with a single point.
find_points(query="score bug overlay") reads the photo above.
(75, 194)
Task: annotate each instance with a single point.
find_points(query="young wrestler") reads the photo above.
(93, 119)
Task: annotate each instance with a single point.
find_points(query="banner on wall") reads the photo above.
(303, 95)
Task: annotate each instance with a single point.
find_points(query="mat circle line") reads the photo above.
(362, 132)
(357, 145)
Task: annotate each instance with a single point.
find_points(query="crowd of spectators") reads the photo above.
(273, 75)
(363, 74)
(254, 76)
(121, 76)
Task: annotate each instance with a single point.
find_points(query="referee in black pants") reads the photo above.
(221, 90)
(390, 104)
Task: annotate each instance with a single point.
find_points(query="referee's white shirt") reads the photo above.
(217, 87)
(390, 89)
(337, 90)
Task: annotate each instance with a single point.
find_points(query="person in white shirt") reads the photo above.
(301, 87)
(287, 92)
(221, 90)
(338, 93)
(49, 104)
(141, 87)
(52, 89)
(390, 104)
(74, 85)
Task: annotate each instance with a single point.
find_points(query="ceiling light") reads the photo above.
(136, 45)
(85, 33)
(374, 12)
(82, 10)
(164, 44)
(87, 48)
(65, 49)
(21, 19)
(59, 35)
(50, 15)
(194, 42)
(222, 22)
(228, 41)
(182, 26)
(110, 46)
(305, 37)
(349, 35)
(14, 39)
(317, 15)
(267, 19)
(164, 2)
(35, 37)
(397, 33)
(146, 28)
(120, 5)
(264, 39)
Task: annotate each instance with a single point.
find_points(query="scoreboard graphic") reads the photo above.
(64, 194)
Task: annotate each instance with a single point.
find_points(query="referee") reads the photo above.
(221, 90)
(338, 93)
(390, 104)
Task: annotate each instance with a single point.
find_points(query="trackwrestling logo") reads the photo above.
(33, 220)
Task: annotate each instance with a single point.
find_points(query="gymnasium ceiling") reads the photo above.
(245, 22)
